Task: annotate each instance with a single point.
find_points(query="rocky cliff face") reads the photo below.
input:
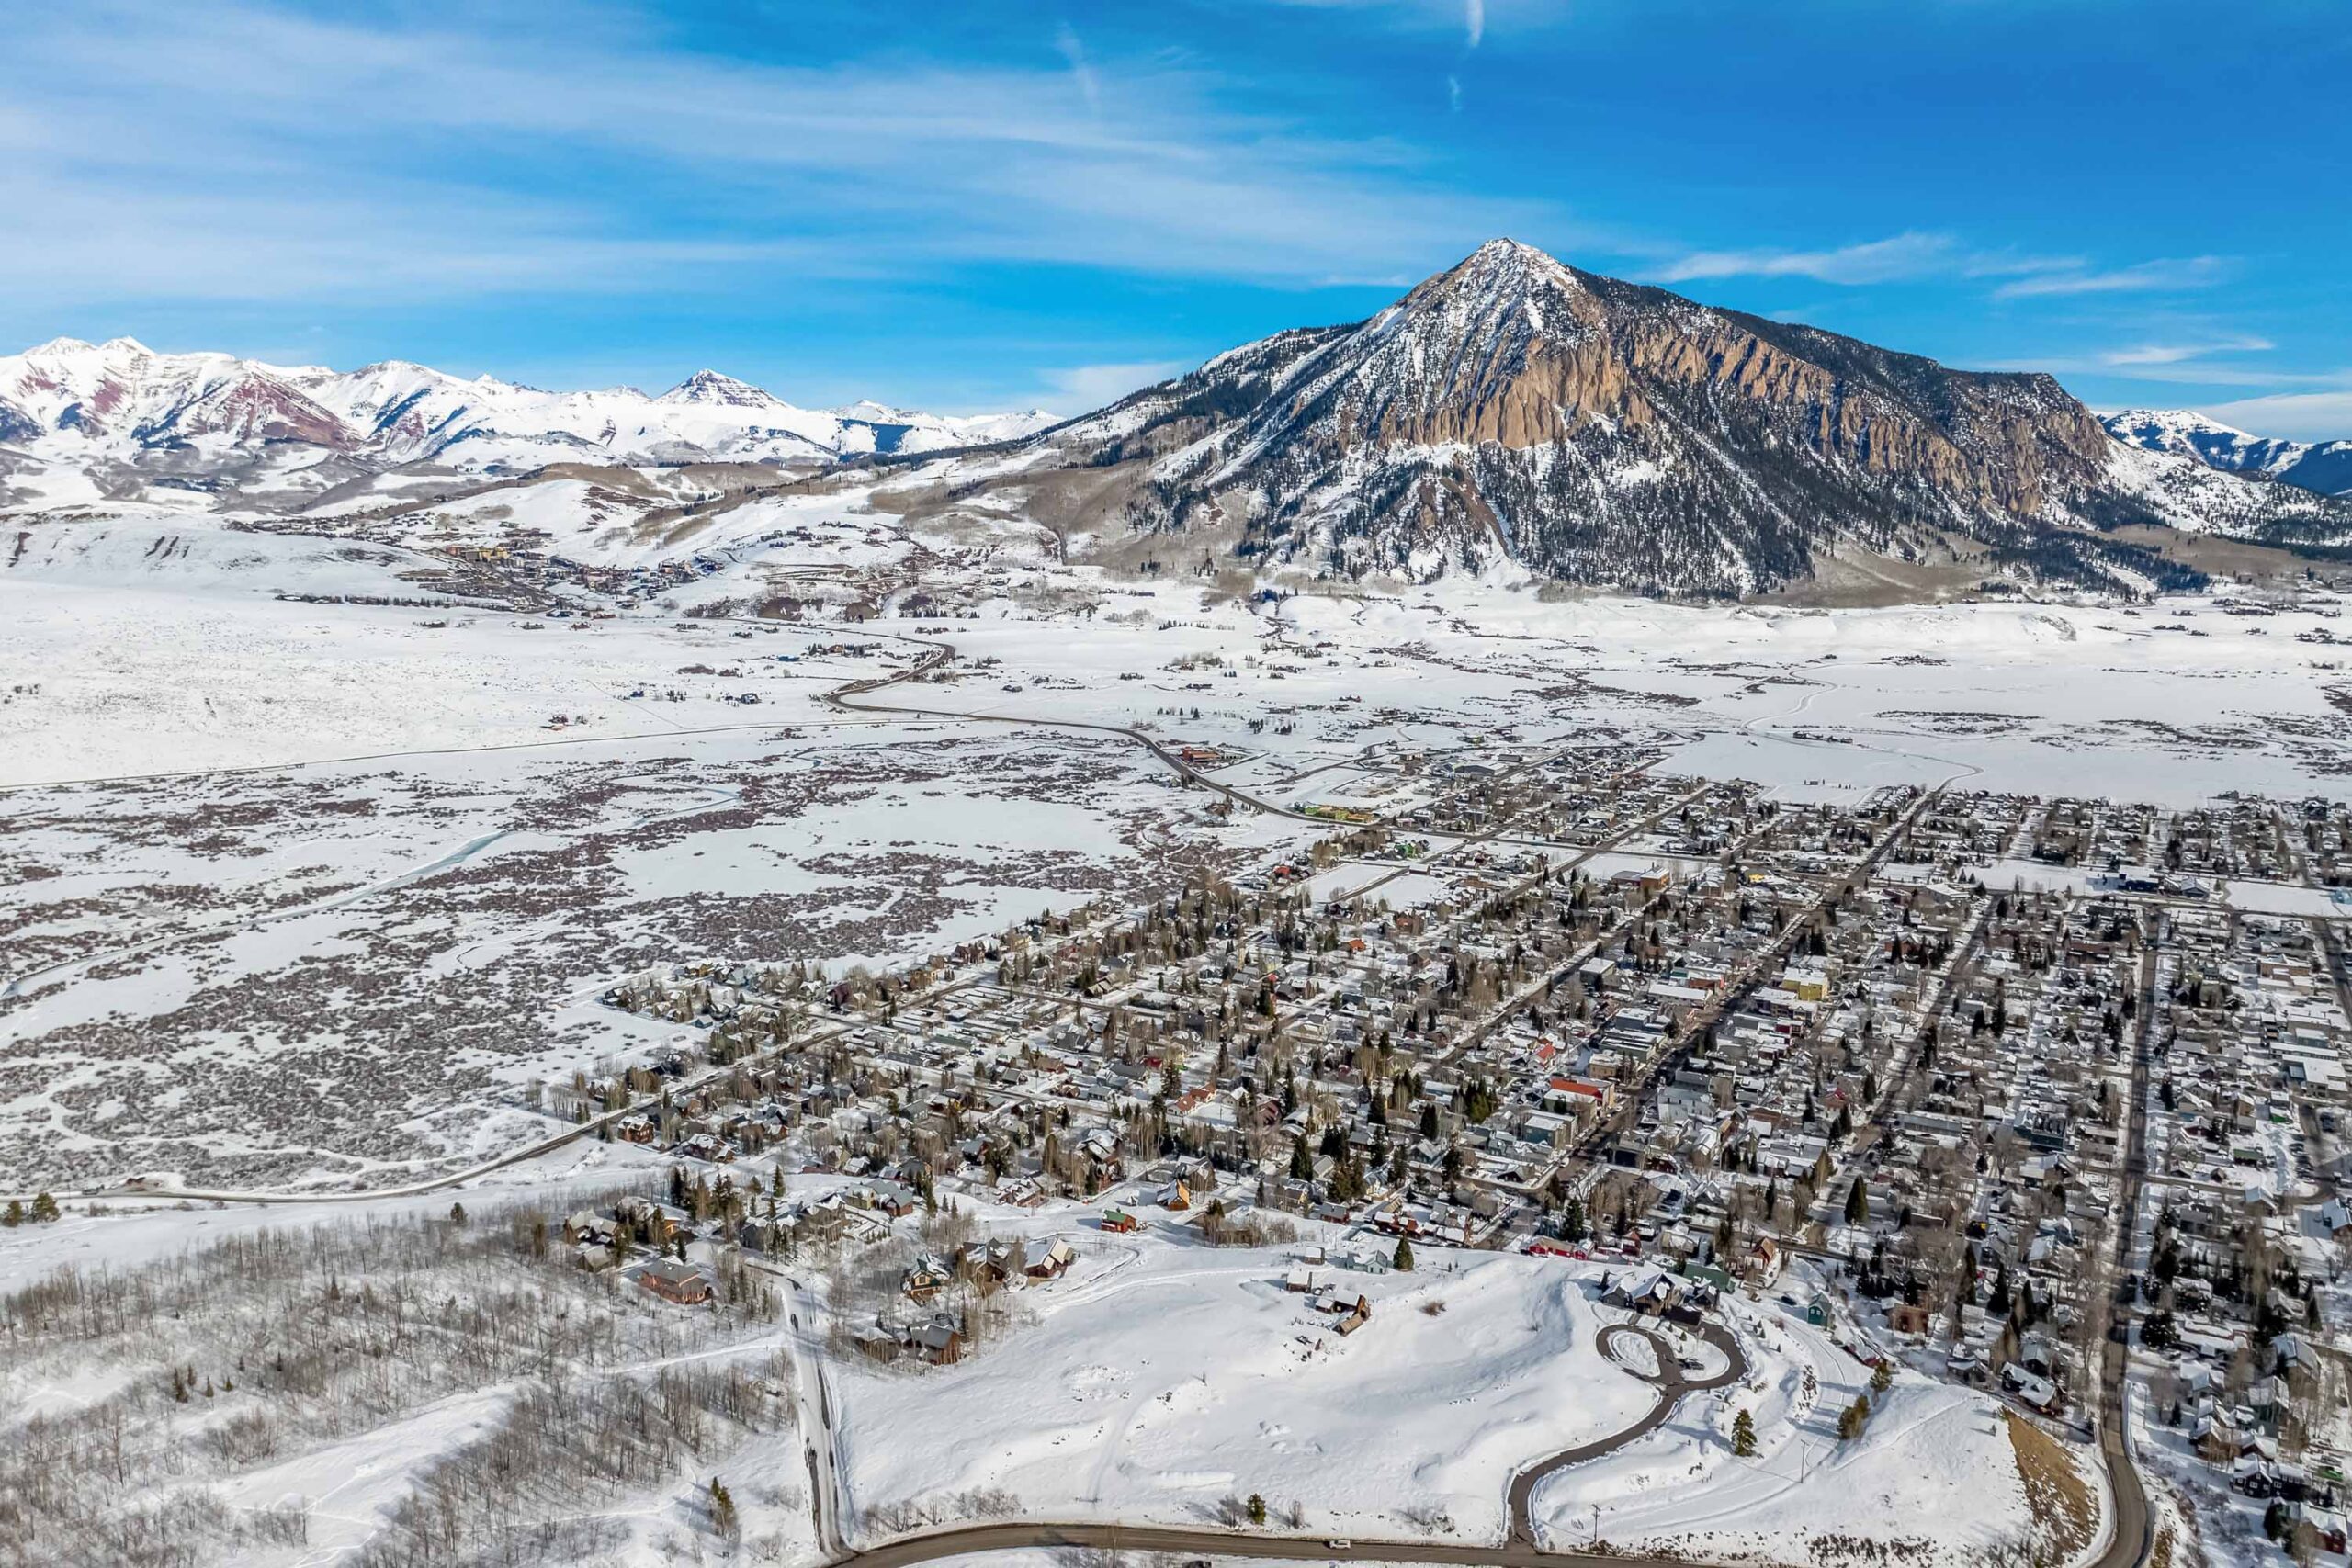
(1514, 409)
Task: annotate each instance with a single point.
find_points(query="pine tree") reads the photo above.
(44, 1208)
(1403, 1260)
(1855, 1416)
(457, 1213)
(722, 1508)
(14, 1216)
(1257, 1507)
(1882, 1375)
(1858, 1202)
(1743, 1436)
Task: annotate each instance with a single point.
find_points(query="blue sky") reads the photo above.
(962, 205)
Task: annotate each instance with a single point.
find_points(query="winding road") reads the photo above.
(1672, 1385)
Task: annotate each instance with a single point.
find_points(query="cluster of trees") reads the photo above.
(42, 1211)
(513, 1496)
(1855, 1418)
(287, 1340)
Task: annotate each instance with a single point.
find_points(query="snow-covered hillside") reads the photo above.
(2325, 467)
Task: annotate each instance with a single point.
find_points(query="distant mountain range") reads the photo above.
(123, 417)
(2323, 468)
(1513, 409)
(1510, 413)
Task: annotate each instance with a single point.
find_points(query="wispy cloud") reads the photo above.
(1909, 254)
(1915, 254)
(2209, 361)
(2148, 354)
(2299, 416)
(1094, 386)
(1473, 22)
(1090, 86)
(2163, 275)
(242, 153)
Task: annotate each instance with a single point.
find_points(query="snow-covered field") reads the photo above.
(1166, 1383)
(152, 644)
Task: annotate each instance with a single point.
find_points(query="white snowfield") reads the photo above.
(1933, 1476)
(154, 642)
(1164, 1383)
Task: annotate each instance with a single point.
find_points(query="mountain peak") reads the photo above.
(2324, 467)
(1505, 263)
(1513, 409)
(2161, 424)
(1504, 248)
(1495, 305)
(711, 386)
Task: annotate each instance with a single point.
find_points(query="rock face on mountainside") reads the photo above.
(2323, 467)
(1516, 410)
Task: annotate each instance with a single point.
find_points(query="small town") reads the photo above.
(2038, 1096)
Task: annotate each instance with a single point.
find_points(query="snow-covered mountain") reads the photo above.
(1516, 411)
(2323, 467)
(114, 418)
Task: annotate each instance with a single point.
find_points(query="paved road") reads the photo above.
(2135, 1527)
(1218, 1543)
(1672, 1385)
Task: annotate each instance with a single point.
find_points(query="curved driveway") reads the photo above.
(1672, 1384)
